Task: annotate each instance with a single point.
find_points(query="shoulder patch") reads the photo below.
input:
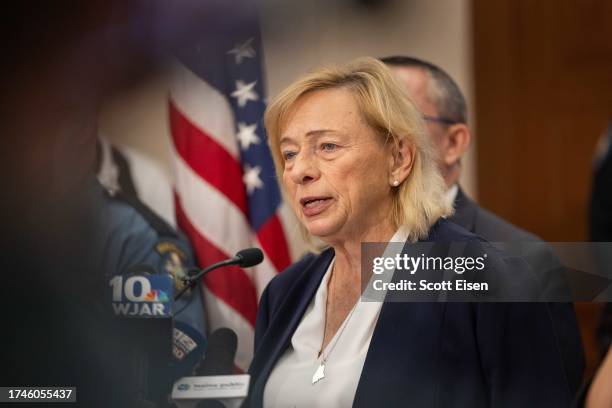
(173, 262)
(165, 247)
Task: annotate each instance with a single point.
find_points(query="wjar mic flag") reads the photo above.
(141, 303)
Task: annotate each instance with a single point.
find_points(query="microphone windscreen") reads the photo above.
(250, 257)
(220, 353)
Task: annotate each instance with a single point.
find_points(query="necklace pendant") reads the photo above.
(319, 374)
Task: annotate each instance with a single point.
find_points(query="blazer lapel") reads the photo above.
(401, 359)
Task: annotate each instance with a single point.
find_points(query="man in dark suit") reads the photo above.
(445, 113)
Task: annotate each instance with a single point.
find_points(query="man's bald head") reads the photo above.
(443, 107)
(442, 91)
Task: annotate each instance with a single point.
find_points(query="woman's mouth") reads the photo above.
(312, 206)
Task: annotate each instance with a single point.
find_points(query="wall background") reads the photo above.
(544, 97)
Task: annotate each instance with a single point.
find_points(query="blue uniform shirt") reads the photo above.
(130, 234)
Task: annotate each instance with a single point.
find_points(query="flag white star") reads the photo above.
(243, 50)
(246, 135)
(245, 92)
(251, 178)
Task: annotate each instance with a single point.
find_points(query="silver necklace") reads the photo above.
(319, 374)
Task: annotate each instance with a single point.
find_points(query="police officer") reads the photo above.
(132, 234)
(130, 238)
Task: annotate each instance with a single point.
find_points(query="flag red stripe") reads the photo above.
(272, 239)
(231, 284)
(207, 158)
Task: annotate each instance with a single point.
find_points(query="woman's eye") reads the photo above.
(328, 147)
(288, 155)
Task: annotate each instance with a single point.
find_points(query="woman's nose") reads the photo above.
(305, 169)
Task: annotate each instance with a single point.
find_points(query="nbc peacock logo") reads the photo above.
(156, 295)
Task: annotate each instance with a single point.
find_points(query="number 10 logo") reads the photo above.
(135, 288)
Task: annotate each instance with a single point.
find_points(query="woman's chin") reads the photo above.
(317, 228)
(322, 230)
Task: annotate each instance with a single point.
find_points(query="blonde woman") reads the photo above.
(355, 165)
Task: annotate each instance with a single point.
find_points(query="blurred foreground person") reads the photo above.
(62, 60)
(444, 110)
(356, 166)
(599, 394)
(600, 213)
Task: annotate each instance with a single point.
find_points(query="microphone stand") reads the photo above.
(191, 281)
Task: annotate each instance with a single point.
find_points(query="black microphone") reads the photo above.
(220, 353)
(157, 348)
(244, 258)
(249, 257)
(214, 382)
(141, 306)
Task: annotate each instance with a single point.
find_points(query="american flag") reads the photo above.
(226, 192)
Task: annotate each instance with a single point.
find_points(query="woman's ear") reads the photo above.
(402, 158)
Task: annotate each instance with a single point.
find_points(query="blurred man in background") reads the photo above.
(444, 110)
(445, 113)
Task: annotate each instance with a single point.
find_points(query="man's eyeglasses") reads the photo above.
(442, 121)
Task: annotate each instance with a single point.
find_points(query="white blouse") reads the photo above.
(290, 382)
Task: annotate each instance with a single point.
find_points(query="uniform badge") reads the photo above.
(174, 259)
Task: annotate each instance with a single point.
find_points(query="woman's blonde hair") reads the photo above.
(420, 200)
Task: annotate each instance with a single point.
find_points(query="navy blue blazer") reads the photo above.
(427, 354)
